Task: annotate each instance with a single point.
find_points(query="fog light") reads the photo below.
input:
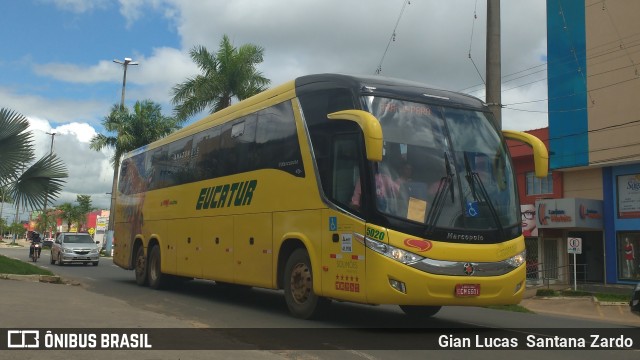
(518, 287)
(398, 285)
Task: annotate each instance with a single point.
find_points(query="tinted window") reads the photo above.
(266, 139)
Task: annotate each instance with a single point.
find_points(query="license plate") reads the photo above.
(467, 289)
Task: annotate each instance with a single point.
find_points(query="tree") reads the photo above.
(229, 73)
(84, 208)
(69, 214)
(4, 197)
(133, 130)
(26, 184)
(46, 222)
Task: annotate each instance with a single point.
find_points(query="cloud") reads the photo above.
(432, 44)
(90, 172)
(79, 6)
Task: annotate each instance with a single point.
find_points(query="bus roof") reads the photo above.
(374, 85)
(385, 86)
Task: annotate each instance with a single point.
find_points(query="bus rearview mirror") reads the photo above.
(540, 153)
(370, 128)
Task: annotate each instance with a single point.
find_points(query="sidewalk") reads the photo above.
(587, 307)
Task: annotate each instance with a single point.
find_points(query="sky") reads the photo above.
(57, 69)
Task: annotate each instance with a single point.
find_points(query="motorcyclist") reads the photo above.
(35, 239)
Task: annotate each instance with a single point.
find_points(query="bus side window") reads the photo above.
(346, 168)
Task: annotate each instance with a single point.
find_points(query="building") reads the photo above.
(594, 126)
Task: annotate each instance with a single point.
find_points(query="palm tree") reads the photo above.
(229, 73)
(69, 214)
(26, 185)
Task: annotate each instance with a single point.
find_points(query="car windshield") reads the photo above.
(442, 167)
(78, 239)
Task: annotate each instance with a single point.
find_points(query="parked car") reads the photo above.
(70, 247)
(634, 304)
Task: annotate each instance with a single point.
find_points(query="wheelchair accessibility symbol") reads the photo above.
(333, 223)
(472, 209)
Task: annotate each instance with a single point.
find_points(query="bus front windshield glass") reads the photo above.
(443, 167)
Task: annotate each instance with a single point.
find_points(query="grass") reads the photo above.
(607, 297)
(17, 267)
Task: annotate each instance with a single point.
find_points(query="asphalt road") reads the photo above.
(204, 305)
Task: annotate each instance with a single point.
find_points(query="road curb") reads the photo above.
(54, 279)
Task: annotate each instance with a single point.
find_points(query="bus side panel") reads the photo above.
(343, 257)
(122, 250)
(186, 234)
(253, 250)
(216, 256)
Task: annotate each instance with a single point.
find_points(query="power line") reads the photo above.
(392, 38)
(473, 25)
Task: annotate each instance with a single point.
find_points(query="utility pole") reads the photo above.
(116, 163)
(46, 194)
(493, 72)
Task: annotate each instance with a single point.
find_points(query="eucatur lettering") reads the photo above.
(235, 194)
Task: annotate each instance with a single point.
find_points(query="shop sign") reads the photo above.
(569, 213)
(629, 196)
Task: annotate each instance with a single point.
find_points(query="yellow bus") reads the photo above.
(333, 187)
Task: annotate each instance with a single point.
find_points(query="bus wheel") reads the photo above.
(156, 278)
(420, 312)
(302, 302)
(141, 267)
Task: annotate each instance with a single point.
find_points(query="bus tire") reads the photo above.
(141, 267)
(420, 312)
(156, 278)
(302, 302)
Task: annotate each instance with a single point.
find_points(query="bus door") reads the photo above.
(343, 263)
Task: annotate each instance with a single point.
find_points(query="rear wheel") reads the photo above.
(141, 267)
(156, 278)
(302, 302)
(420, 312)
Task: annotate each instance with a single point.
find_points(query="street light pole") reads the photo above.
(125, 64)
(116, 164)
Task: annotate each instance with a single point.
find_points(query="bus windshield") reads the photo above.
(442, 167)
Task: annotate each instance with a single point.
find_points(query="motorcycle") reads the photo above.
(34, 251)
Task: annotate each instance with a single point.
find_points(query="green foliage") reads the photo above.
(229, 73)
(12, 266)
(578, 293)
(612, 297)
(546, 292)
(22, 184)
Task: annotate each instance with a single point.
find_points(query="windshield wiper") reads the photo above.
(439, 199)
(473, 178)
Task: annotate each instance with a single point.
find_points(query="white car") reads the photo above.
(72, 247)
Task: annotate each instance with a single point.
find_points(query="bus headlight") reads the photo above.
(518, 259)
(392, 252)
